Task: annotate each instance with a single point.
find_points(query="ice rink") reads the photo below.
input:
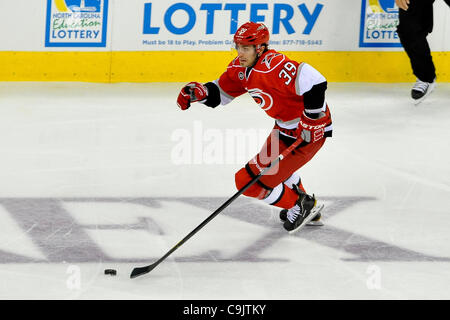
(97, 176)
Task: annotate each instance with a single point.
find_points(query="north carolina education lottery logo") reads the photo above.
(76, 23)
(379, 20)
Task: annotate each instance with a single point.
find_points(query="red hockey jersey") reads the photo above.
(276, 83)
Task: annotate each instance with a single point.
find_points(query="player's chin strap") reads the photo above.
(143, 270)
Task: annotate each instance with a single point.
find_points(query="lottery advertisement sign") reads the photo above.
(379, 20)
(76, 23)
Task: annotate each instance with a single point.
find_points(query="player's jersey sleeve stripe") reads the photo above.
(307, 77)
(225, 98)
(292, 124)
(319, 110)
(297, 81)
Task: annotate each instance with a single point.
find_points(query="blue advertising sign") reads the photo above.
(172, 24)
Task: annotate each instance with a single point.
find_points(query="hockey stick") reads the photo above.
(143, 270)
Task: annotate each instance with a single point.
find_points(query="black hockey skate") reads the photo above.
(315, 222)
(421, 90)
(304, 211)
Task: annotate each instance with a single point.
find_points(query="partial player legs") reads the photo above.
(272, 188)
(295, 181)
(415, 24)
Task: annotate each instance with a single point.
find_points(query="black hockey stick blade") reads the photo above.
(139, 271)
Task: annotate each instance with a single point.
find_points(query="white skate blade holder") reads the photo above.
(315, 211)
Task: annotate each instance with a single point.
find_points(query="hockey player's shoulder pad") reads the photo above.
(235, 64)
(234, 69)
(270, 61)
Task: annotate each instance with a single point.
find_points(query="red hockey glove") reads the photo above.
(312, 130)
(191, 92)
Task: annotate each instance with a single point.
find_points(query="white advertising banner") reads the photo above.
(206, 25)
(146, 25)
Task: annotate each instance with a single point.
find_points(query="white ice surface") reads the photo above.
(71, 141)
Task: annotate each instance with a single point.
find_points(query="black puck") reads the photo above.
(111, 272)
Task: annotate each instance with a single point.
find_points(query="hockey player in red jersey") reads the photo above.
(293, 94)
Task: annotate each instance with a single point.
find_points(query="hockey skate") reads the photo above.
(302, 213)
(421, 90)
(315, 222)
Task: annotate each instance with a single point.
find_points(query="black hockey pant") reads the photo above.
(414, 26)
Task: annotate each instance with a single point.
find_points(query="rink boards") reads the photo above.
(184, 66)
(171, 41)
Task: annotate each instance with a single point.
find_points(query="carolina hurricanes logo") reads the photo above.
(262, 98)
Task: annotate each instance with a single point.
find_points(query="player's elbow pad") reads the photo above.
(314, 100)
(213, 99)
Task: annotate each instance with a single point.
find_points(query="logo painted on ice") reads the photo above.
(76, 23)
(262, 98)
(75, 240)
(379, 20)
